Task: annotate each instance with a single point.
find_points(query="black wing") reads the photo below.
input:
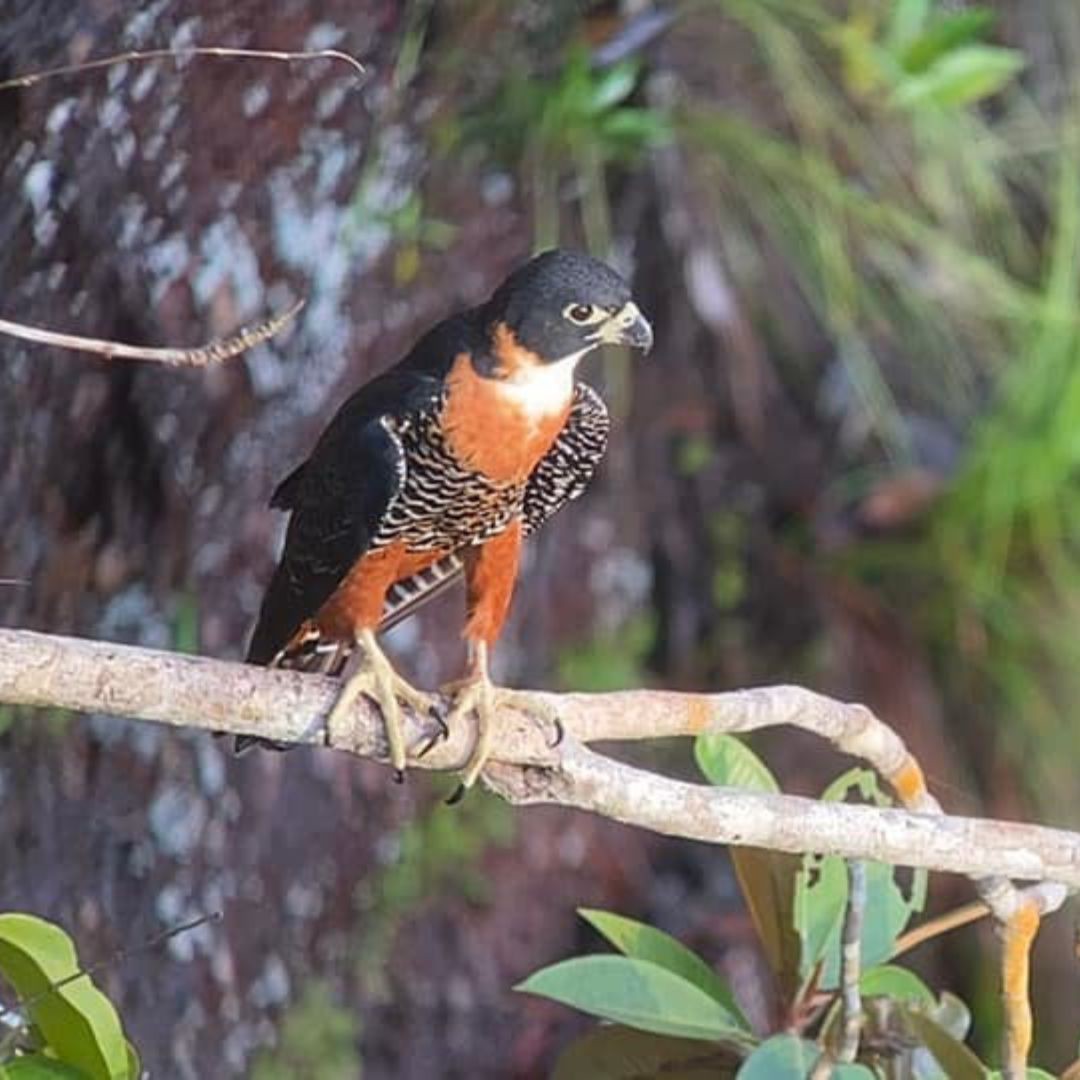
(562, 475)
(337, 499)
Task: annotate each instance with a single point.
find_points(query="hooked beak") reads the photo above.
(627, 327)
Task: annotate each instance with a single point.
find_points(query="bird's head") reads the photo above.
(563, 304)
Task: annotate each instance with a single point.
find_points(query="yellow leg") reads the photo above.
(379, 681)
(477, 693)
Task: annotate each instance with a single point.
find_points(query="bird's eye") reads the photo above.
(581, 313)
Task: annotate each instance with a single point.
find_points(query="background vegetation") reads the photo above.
(851, 462)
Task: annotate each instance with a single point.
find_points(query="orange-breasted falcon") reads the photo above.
(442, 465)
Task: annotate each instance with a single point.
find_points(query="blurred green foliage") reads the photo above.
(433, 857)
(317, 1040)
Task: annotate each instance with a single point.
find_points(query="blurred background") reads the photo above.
(850, 462)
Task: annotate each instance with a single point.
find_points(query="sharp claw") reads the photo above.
(399, 776)
(456, 795)
(560, 732)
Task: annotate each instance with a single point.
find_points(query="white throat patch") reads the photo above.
(544, 390)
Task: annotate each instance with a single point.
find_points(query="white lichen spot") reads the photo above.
(132, 215)
(112, 115)
(46, 227)
(153, 146)
(185, 37)
(272, 985)
(60, 114)
(331, 99)
(37, 185)
(174, 169)
(117, 74)
(144, 83)
(227, 254)
(144, 22)
(256, 98)
(324, 35)
(55, 276)
(166, 262)
(176, 820)
(124, 149)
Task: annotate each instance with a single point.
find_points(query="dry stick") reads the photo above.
(213, 352)
(141, 56)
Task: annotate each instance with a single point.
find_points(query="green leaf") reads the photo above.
(767, 880)
(907, 22)
(946, 34)
(77, 1020)
(637, 993)
(783, 1057)
(889, 980)
(614, 86)
(39, 1067)
(821, 897)
(960, 77)
(728, 762)
(643, 942)
(821, 889)
(858, 779)
(619, 1053)
(958, 1062)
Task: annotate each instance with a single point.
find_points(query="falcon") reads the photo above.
(437, 468)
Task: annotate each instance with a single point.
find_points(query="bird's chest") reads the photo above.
(501, 428)
(468, 463)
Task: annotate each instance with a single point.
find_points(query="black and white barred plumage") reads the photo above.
(562, 475)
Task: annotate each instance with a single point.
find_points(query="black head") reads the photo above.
(564, 303)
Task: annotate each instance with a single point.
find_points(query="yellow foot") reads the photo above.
(479, 694)
(380, 682)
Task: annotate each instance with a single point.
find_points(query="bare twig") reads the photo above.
(22, 1006)
(144, 55)
(213, 352)
(851, 962)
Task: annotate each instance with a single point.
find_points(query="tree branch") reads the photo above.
(194, 692)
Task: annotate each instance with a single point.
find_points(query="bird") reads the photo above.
(438, 469)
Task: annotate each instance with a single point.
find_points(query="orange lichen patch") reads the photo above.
(357, 603)
(490, 572)
(908, 782)
(698, 714)
(491, 427)
(1017, 939)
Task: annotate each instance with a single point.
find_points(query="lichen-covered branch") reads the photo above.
(195, 692)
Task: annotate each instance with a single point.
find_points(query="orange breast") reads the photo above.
(502, 426)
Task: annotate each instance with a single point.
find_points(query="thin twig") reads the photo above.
(851, 962)
(23, 1005)
(143, 55)
(213, 352)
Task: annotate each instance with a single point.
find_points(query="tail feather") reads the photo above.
(409, 595)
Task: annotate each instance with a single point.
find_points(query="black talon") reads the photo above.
(560, 733)
(399, 776)
(456, 796)
(443, 732)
